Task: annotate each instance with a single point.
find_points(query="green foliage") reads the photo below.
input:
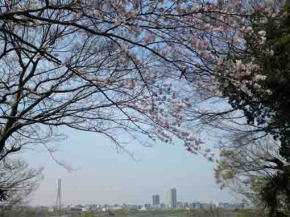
(241, 215)
(251, 213)
(164, 213)
(269, 110)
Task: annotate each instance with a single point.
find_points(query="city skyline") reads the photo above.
(105, 176)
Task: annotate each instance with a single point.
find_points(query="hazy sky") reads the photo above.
(102, 175)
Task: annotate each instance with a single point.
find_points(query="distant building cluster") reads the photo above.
(156, 201)
(172, 203)
(175, 204)
(155, 205)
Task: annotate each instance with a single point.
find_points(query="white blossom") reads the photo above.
(262, 33)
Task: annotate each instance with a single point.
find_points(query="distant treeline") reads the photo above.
(135, 213)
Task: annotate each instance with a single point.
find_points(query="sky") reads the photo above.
(101, 175)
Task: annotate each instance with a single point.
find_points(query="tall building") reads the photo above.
(173, 198)
(58, 198)
(155, 200)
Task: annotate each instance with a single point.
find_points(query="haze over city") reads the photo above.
(103, 175)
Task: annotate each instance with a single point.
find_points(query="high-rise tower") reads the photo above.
(58, 198)
(155, 200)
(173, 198)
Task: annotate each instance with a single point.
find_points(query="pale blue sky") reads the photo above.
(102, 175)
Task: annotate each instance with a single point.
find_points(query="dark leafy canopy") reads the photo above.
(277, 69)
(266, 104)
(269, 111)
